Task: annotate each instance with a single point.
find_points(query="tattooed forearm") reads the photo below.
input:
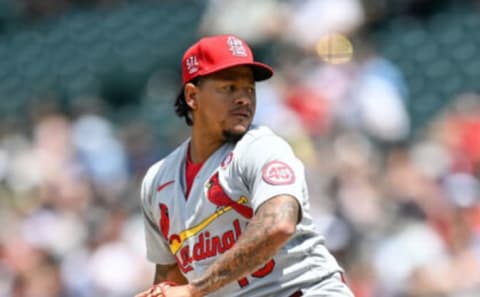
(272, 226)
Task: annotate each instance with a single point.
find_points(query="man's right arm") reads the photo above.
(169, 273)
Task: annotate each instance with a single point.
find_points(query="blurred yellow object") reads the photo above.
(335, 48)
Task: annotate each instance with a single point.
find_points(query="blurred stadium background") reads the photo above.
(391, 139)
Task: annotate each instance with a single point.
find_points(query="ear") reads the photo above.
(191, 94)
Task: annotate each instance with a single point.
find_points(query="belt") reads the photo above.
(297, 294)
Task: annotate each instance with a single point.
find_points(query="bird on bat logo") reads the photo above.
(217, 196)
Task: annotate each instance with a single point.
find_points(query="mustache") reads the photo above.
(248, 110)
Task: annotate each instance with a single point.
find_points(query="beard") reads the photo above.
(233, 137)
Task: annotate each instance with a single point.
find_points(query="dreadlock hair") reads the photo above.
(181, 107)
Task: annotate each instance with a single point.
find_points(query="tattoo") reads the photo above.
(290, 211)
(266, 233)
(164, 272)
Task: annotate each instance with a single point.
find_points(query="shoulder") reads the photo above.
(165, 169)
(261, 138)
(257, 132)
(259, 146)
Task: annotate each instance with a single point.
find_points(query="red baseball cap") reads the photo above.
(215, 53)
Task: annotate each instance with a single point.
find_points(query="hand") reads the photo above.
(154, 291)
(181, 291)
(157, 290)
(166, 289)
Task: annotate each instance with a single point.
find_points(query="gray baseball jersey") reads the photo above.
(231, 185)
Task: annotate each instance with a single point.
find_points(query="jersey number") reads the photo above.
(262, 272)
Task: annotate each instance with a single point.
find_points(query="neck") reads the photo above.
(203, 145)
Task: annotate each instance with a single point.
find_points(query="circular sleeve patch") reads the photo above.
(278, 173)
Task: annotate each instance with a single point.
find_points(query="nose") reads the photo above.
(244, 97)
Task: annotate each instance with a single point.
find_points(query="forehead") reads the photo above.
(233, 73)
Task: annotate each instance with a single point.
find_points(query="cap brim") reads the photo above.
(261, 71)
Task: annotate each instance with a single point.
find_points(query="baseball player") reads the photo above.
(227, 212)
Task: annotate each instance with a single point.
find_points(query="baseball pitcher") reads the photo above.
(227, 212)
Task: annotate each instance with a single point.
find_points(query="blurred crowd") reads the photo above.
(399, 205)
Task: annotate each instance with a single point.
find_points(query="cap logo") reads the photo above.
(235, 45)
(192, 64)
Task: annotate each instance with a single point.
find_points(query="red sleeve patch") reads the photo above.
(228, 159)
(278, 173)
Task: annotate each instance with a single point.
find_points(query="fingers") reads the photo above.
(143, 294)
(157, 290)
(154, 291)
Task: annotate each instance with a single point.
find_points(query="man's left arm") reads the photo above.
(270, 228)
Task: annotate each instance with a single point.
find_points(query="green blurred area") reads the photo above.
(114, 53)
(107, 53)
(439, 57)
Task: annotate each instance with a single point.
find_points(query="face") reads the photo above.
(223, 103)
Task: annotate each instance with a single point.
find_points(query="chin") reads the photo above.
(234, 135)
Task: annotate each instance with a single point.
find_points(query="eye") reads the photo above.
(251, 90)
(229, 88)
